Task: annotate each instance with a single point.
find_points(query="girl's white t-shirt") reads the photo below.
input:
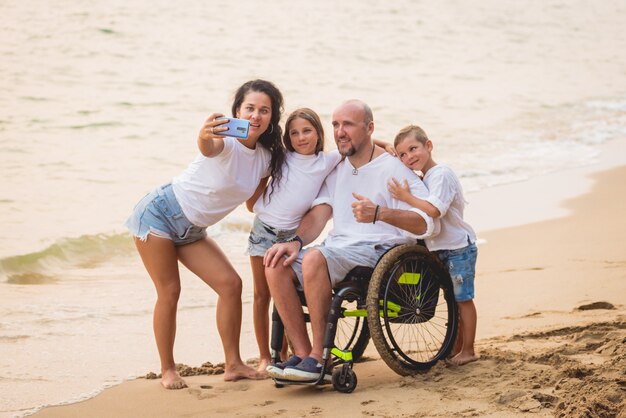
(301, 180)
(210, 188)
(446, 194)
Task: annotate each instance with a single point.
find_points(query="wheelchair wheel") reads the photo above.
(352, 331)
(411, 310)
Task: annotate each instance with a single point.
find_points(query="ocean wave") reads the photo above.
(106, 124)
(555, 144)
(615, 105)
(30, 278)
(235, 224)
(85, 252)
(13, 338)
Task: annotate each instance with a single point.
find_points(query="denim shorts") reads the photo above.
(158, 213)
(461, 263)
(340, 260)
(262, 237)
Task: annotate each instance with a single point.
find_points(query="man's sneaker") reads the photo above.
(276, 370)
(308, 369)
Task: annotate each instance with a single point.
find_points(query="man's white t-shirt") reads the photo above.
(210, 188)
(446, 194)
(370, 182)
(300, 184)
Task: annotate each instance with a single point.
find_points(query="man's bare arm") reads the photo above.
(365, 211)
(404, 219)
(313, 223)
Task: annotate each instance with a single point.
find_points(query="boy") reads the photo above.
(455, 244)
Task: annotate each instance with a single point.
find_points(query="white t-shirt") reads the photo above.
(302, 178)
(210, 188)
(446, 194)
(370, 182)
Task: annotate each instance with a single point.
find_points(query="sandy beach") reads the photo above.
(551, 298)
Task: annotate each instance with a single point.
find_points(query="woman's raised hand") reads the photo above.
(211, 128)
(209, 133)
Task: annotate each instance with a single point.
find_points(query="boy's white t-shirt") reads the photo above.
(370, 182)
(446, 194)
(210, 188)
(301, 180)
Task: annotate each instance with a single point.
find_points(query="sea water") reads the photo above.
(102, 101)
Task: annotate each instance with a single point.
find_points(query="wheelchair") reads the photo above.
(405, 305)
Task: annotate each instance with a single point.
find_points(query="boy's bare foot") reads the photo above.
(463, 358)
(263, 363)
(453, 354)
(170, 379)
(241, 371)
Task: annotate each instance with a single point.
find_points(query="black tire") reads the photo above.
(412, 317)
(344, 379)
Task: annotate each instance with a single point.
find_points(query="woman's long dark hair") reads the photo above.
(271, 138)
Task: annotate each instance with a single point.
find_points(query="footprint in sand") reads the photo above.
(316, 410)
(201, 394)
(233, 387)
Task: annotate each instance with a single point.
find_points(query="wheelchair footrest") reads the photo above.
(300, 382)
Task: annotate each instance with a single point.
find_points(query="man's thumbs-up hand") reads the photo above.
(364, 210)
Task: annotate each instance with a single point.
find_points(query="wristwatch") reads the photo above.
(297, 238)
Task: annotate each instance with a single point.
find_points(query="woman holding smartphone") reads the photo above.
(169, 224)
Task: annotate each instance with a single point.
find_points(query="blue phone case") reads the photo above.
(236, 127)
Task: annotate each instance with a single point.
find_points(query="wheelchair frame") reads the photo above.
(405, 302)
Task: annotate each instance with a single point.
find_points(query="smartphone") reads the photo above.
(236, 127)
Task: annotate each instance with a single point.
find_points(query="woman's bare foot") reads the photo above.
(170, 379)
(463, 358)
(241, 371)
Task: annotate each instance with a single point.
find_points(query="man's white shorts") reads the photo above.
(340, 260)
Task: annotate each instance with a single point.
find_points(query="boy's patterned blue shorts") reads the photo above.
(461, 263)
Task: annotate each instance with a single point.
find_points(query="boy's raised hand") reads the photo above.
(390, 150)
(400, 191)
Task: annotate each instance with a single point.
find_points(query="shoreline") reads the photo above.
(540, 198)
(547, 267)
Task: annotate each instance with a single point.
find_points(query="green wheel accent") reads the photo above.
(355, 312)
(393, 309)
(409, 278)
(344, 355)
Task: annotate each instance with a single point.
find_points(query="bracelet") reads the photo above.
(297, 238)
(376, 213)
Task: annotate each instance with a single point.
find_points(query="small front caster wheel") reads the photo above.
(344, 379)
